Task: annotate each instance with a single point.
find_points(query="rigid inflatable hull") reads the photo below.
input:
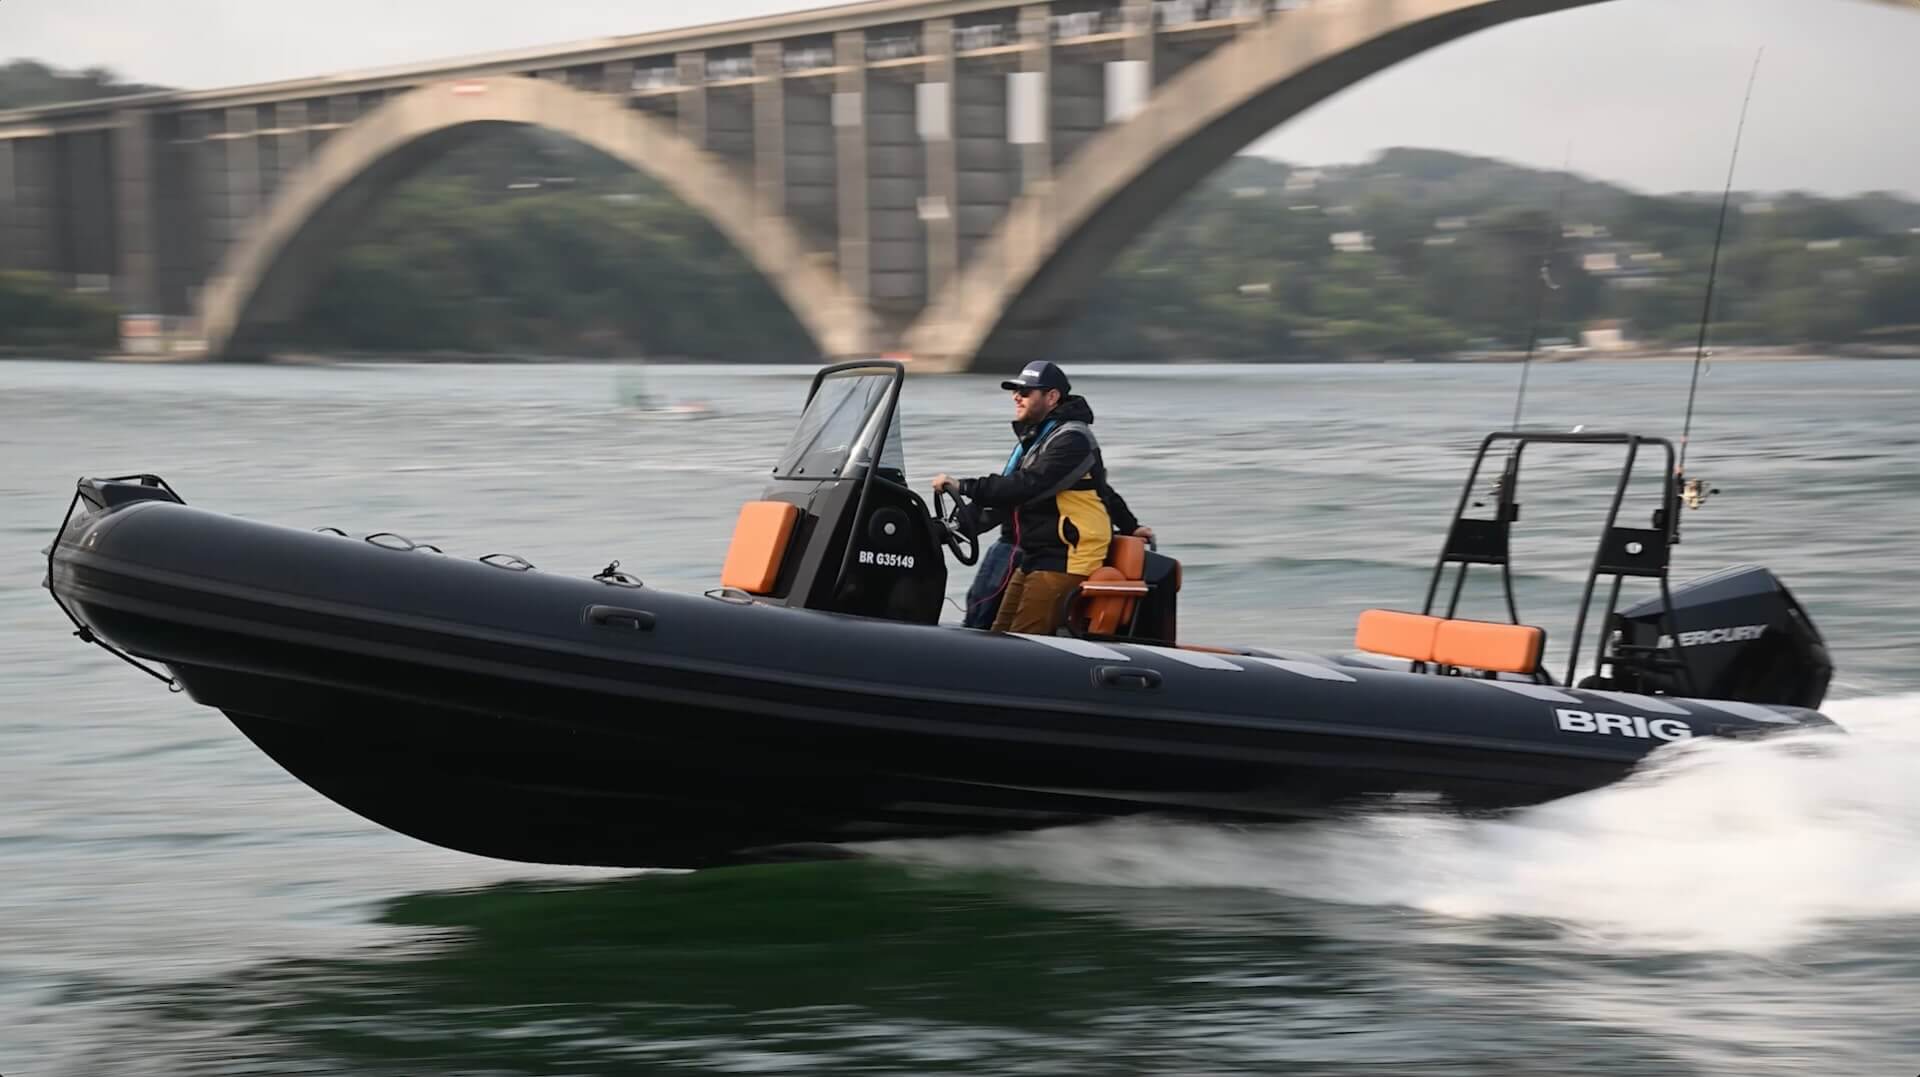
(509, 714)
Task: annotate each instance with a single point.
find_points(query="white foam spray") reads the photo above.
(1713, 845)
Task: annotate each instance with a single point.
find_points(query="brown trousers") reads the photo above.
(1034, 602)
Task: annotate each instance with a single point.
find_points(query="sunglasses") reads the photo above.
(1027, 392)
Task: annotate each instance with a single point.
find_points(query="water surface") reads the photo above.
(172, 902)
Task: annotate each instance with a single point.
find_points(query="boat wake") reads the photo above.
(1713, 845)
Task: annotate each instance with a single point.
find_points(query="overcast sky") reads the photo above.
(1647, 90)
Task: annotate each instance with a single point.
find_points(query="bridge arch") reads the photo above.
(265, 277)
(1026, 281)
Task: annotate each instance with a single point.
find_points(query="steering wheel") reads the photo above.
(965, 547)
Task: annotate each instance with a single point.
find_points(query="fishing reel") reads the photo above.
(1501, 492)
(1687, 493)
(1694, 492)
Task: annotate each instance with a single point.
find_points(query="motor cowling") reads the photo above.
(1739, 633)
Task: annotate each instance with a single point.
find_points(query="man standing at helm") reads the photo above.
(1052, 494)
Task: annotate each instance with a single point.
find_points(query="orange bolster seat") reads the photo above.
(1501, 648)
(1392, 632)
(1128, 554)
(1109, 598)
(760, 538)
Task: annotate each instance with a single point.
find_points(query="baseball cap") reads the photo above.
(1040, 374)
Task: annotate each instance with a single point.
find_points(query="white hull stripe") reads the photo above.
(1305, 669)
(1742, 709)
(1196, 659)
(1207, 660)
(1640, 702)
(1533, 691)
(1081, 647)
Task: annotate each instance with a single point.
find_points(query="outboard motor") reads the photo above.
(1740, 631)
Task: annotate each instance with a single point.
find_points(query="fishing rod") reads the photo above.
(1546, 281)
(1694, 492)
(1503, 488)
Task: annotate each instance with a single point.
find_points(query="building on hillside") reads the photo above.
(1622, 264)
(1606, 335)
(1305, 179)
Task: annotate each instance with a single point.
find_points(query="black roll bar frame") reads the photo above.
(1620, 552)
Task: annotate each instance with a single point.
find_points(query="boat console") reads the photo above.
(839, 529)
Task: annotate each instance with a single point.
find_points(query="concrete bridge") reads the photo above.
(945, 178)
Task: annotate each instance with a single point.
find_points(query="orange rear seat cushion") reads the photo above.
(1105, 612)
(1129, 555)
(1503, 648)
(760, 539)
(1402, 635)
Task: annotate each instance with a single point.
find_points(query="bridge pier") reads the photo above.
(176, 216)
(933, 123)
(240, 180)
(1030, 118)
(769, 132)
(896, 186)
(35, 242)
(136, 182)
(1137, 18)
(289, 142)
(9, 198)
(848, 116)
(86, 208)
(809, 170)
(205, 178)
(692, 102)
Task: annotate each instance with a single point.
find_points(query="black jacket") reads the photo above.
(1056, 500)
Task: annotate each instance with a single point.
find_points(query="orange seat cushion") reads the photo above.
(1128, 554)
(1402, 635)
(760, 538)
(1502, 648)
(1106, 612)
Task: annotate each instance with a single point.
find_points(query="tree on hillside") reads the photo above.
(29, 83)
(525, 242)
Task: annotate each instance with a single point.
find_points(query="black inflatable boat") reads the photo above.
(813, 698)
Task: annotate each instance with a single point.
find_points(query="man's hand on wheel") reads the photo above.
(1144, 532)
(946, 482)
